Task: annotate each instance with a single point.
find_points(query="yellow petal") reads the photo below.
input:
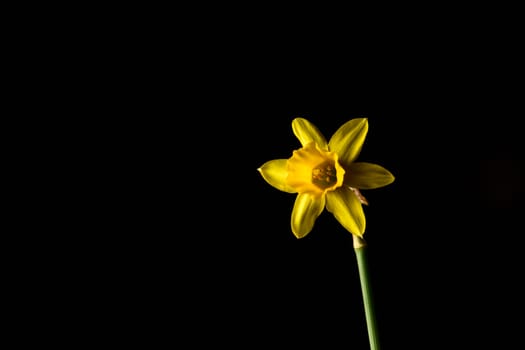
(347, 209)
(348, 140)
(367, 176)
(305, 211)
(274, 172)
(307, 132)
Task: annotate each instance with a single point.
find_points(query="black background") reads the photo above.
(199, 249)
(143, 130)
(215, 251)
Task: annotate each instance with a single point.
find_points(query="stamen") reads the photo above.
(324, 175)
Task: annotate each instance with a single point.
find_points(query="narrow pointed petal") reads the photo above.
(348, 140)
(274, 172)
(307, 132)
(367, 176)
(305, 211)
(347, 209)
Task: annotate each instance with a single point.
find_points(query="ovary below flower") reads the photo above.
(325, 174)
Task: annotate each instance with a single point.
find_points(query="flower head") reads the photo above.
(325, 174)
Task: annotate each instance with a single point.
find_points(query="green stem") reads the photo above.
(360, 252)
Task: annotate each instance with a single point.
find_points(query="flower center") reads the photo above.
(324, 175)
(314, 171)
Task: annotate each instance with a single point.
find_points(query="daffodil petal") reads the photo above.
(347, 209)
(307, 132)
(348, 140)
(274, 172)
(305, 211)
(367, 176)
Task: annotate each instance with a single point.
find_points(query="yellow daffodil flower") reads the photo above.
(325, 174)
